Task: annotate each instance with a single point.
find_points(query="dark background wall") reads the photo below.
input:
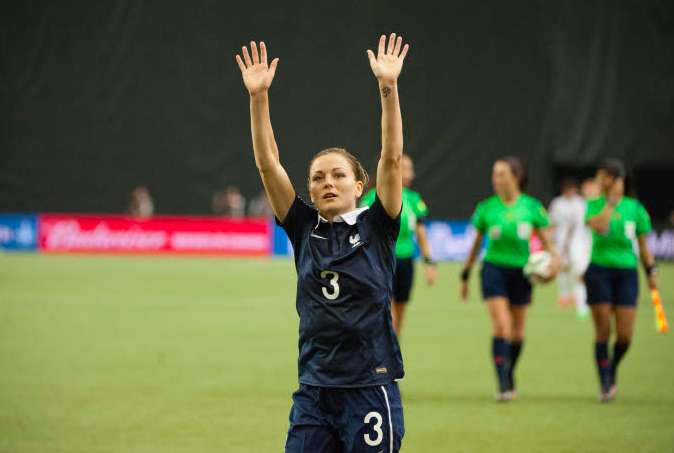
(97, 97)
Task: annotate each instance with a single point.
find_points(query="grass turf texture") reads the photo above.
(149, 354)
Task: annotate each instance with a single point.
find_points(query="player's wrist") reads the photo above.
(465, 274)
(651, 269)
(428, 261)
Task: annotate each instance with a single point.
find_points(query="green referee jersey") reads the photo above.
(616, 247)
(508, 228)
(414, 210)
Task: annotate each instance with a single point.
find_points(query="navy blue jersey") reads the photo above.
(344, 287)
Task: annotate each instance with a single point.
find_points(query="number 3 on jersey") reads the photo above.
(331, 294)
(379, 434)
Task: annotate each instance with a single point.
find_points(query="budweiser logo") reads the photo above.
(68, 235)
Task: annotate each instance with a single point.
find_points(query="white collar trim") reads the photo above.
(348, 217)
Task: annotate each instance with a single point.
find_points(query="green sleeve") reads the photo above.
(594, 207)
(643, 220)
(541, 218)
(368, 198)
(478, 220)
(419, 207)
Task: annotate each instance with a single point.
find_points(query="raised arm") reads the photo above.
(600, 223)
(386, 67)
(257, 77)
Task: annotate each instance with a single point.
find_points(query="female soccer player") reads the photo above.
(508, 218)
(612, 281)
(349, 357)
(411, 225)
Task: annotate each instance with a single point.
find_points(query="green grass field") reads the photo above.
(149, 354)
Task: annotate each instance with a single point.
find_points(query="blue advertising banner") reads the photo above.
(281, 243)
(450, 240)
(18, 232)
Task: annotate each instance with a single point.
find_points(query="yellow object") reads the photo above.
(660, 317)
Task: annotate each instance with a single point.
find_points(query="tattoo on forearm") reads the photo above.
(386, 91)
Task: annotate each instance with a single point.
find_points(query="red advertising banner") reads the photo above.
(121, 234)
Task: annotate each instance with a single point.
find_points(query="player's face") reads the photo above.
(407, 168)
(604, 180)
(502, 178)
(332, 185)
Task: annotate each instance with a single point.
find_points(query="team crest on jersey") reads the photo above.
(354, 240)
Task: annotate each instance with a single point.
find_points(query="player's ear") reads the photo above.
(359, 188)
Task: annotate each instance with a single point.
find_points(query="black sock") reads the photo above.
(603, 364)
(500, 350)
(515, 349)
(619, 350)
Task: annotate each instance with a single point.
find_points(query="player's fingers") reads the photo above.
(246, 57)
(399, 43)
(239, 61)
(263, 53)
(370, 56)
(404, 52)
(272, 67)
(391, 44)
(253, 48)
(382, 46)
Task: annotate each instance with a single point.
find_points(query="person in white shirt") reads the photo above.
(573, 241)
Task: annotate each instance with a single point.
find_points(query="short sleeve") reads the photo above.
(643, 220)
(368, 198)
(540, 215)
(419, 207)
(478, 219)
(594, 207)
(299, 219)
(382, 223)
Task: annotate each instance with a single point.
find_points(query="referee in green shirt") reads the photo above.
(508, 219)
(414, 211)
(612, 282)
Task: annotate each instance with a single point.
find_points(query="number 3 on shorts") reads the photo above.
(333, 282)
(377, 429)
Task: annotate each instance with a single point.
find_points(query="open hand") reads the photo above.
(388, 63)
(257, 76)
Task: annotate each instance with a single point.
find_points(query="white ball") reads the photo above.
(538, 266)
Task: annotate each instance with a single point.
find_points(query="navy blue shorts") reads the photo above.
(503, 281)
(402, 280)
(346, 420)
(611, 285)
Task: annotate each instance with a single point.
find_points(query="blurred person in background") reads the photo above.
(589, 189)
(573, 241)
(259, 206)
(229, 203)
(140, 203)
(508, 219)
(617, 222)
(411, 226)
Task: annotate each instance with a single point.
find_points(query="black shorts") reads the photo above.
(611, 285)
(346, 420)
(503, 281)
(403, 279)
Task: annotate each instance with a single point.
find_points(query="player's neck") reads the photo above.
(509, 196)
(330, 216)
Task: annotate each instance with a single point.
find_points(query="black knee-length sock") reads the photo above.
(619, 350)
(515, 349)
(603, 364)
(500, 350)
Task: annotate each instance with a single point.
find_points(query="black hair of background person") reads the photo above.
(96, 97)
